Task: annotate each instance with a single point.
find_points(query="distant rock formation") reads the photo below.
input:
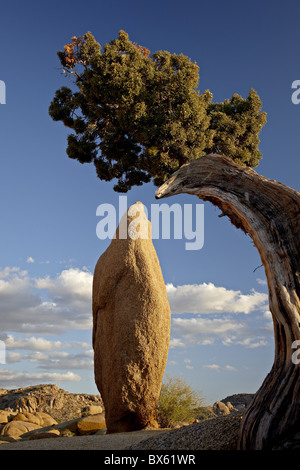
(131, 325)
(237, 402)
(49, 398)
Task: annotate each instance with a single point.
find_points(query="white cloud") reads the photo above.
(268, 315)
(212, 366)
(30, 260)
(11, 379)
(230, 330)
(204, 326)
(229, 368)
(8, 271)
(13, 357)
(61, 360)
(82, 344)
(188, 363)
(207, 341)
(249, 343)
(47, 354)
(217, 367)
(71, 286)
(24, 308)
(16, 294)
(262, 282)
(207, 298)
(33, 344)
(189, 338)
(175, 343)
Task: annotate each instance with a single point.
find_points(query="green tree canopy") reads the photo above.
(139, 116)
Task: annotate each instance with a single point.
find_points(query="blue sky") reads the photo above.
(48, 202)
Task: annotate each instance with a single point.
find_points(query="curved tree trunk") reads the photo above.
(270, 213)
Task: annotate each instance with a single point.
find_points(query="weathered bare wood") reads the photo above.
(270, 213)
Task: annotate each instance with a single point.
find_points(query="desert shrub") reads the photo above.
(178, 403)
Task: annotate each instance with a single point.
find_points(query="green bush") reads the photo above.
(178, 403)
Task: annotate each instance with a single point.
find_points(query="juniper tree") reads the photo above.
(236, 124)
(139, 116)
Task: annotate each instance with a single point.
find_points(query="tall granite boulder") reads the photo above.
(131, 325)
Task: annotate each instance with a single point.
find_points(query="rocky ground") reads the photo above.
(219, 433)
(30, 416)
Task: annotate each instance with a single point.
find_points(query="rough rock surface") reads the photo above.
(17, 428)
(92, 410)
(58, 403)
(5, 416)
(27, 427)
(40, 418)
(131, 326)
(76, 427)
(219, 433)
(91, 424)
(44, 435)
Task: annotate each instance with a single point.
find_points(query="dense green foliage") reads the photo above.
(139, 116)
(178, 403)
(236, 124)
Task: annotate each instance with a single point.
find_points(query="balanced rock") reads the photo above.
(131, 325)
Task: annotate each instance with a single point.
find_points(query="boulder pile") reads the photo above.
(237, 402)
(38, 425)
(49, 398)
